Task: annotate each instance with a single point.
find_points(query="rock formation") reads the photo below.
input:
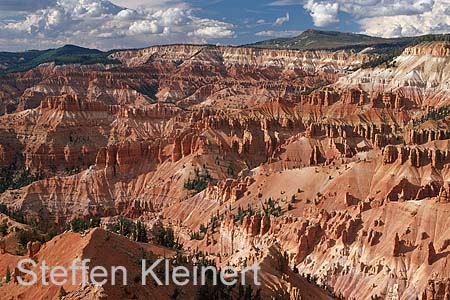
(333, 177)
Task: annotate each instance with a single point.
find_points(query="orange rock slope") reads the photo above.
(333, 177)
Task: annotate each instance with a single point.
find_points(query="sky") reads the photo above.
(113, 24)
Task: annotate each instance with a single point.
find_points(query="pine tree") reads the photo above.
(176, 293)
(8, 275)
(62, 293)
(248, 293)
(240, 292)
(203, 293)
(140, 233)
(258, 295)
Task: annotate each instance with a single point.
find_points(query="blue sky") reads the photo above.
(256, 20)
(106, 24)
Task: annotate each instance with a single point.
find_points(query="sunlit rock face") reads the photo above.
(299, 160)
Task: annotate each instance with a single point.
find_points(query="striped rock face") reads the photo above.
(331, 176)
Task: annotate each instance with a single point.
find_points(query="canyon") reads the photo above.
(333, 176)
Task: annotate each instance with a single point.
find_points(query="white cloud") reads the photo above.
(172, 16)
(279, 34)
(434, 20)
(323, 13)
(210, 29)
(284, 3)
(146, 27)
(376, 8)
(385, 17)
(100, 23)
(143, 3)
(281, 20)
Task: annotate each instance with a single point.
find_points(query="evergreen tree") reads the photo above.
(240, 292)
(95, 222)
(176, 293)
(3, 229)
(203, 293)
(62, 293)
(78, 225)
(8, 275)
(248, 292)
(258, 295)
(140, 233)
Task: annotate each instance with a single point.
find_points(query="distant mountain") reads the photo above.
(384, 48)
(22, 61)
(319, 39)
